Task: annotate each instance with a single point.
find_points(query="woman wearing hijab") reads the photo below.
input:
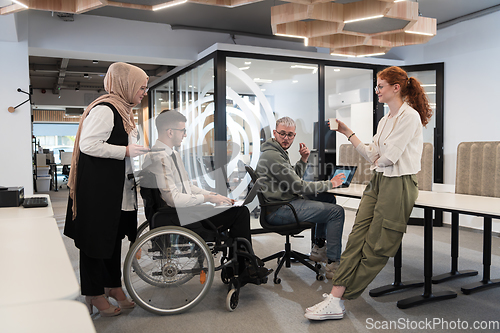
(102, 205)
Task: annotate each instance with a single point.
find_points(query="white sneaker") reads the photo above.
(330, 308)
(318, 254)
(314, 307)
(331, 268)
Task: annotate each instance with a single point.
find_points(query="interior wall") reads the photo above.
(15, 128)
(470, 52)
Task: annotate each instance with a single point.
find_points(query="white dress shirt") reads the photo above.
(168, 179)
(397, 145)
(96, 130)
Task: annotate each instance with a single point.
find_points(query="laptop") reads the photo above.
(250, 195)
(348, 171)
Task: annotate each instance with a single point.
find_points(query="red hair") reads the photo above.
(411, 91)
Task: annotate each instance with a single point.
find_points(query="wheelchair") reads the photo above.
(170, 269)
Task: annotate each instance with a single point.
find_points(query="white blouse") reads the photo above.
(96, 130)
(397, 145)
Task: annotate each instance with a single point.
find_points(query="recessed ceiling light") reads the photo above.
(262, 80)
(364, 19)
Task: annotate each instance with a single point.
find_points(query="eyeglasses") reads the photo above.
(379, 87)
(183, 130)
(288, 135)
(144, 89)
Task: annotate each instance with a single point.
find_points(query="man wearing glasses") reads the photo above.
(283, 183)
(172, 179)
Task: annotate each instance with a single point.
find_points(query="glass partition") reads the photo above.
(195, 93)
(428, 81)
(258, 92)
(348, 97)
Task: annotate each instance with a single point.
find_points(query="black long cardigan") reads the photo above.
(99, 195)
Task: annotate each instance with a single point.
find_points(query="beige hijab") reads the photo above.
(122, 82)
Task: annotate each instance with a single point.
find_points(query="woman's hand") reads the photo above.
(343, 128)
(136, 150)
(337, 180)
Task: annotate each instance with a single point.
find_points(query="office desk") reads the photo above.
(35, 265)
(27, 213)
(487, 207)
(53, 317)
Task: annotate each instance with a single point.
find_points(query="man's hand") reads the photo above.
(304, 152)
(218, 199)
(337, 180)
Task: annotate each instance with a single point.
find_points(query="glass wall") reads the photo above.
(348, 97)
(428, 81)
(258, 92)
(255, 91)
(195, 95)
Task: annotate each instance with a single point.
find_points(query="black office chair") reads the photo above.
(288, 230)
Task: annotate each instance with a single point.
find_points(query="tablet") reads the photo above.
(348, 171)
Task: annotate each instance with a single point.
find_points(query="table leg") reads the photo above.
(485, 283)
(397, 284)
(454, 273)
(427, 296)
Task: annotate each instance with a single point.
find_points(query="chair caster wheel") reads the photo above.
(318, 266)
(233, 296)
(277, 280)
(320, 277)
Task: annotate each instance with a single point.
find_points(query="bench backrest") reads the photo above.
(478, 168)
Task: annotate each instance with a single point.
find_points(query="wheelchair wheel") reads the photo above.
(143, 228)
(173, 273)
(232, 299)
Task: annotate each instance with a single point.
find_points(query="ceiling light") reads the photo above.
(428, 85)
(342, 55)
(168, 4)
(95, 61)
(304, 67)
(160, 99)
(306, 40)
(370, 55)
(418, 33)
(20, 3)
(364, 19)
(244, 68)
(295, 81)
(431, 93)
(336, 70)
(262, 80)
(248, 62)
(263, 89)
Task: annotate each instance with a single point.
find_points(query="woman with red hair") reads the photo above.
(388, 199)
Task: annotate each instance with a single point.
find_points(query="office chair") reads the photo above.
(289, 230)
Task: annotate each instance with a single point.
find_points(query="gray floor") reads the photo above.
(280, 308)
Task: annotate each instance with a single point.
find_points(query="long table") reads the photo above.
(486, 207)
(27, 213)
(35, 264)
(53, 317)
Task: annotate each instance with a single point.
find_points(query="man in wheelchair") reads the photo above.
(182, 203)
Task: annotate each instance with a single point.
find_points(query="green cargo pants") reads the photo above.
(378, 229)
